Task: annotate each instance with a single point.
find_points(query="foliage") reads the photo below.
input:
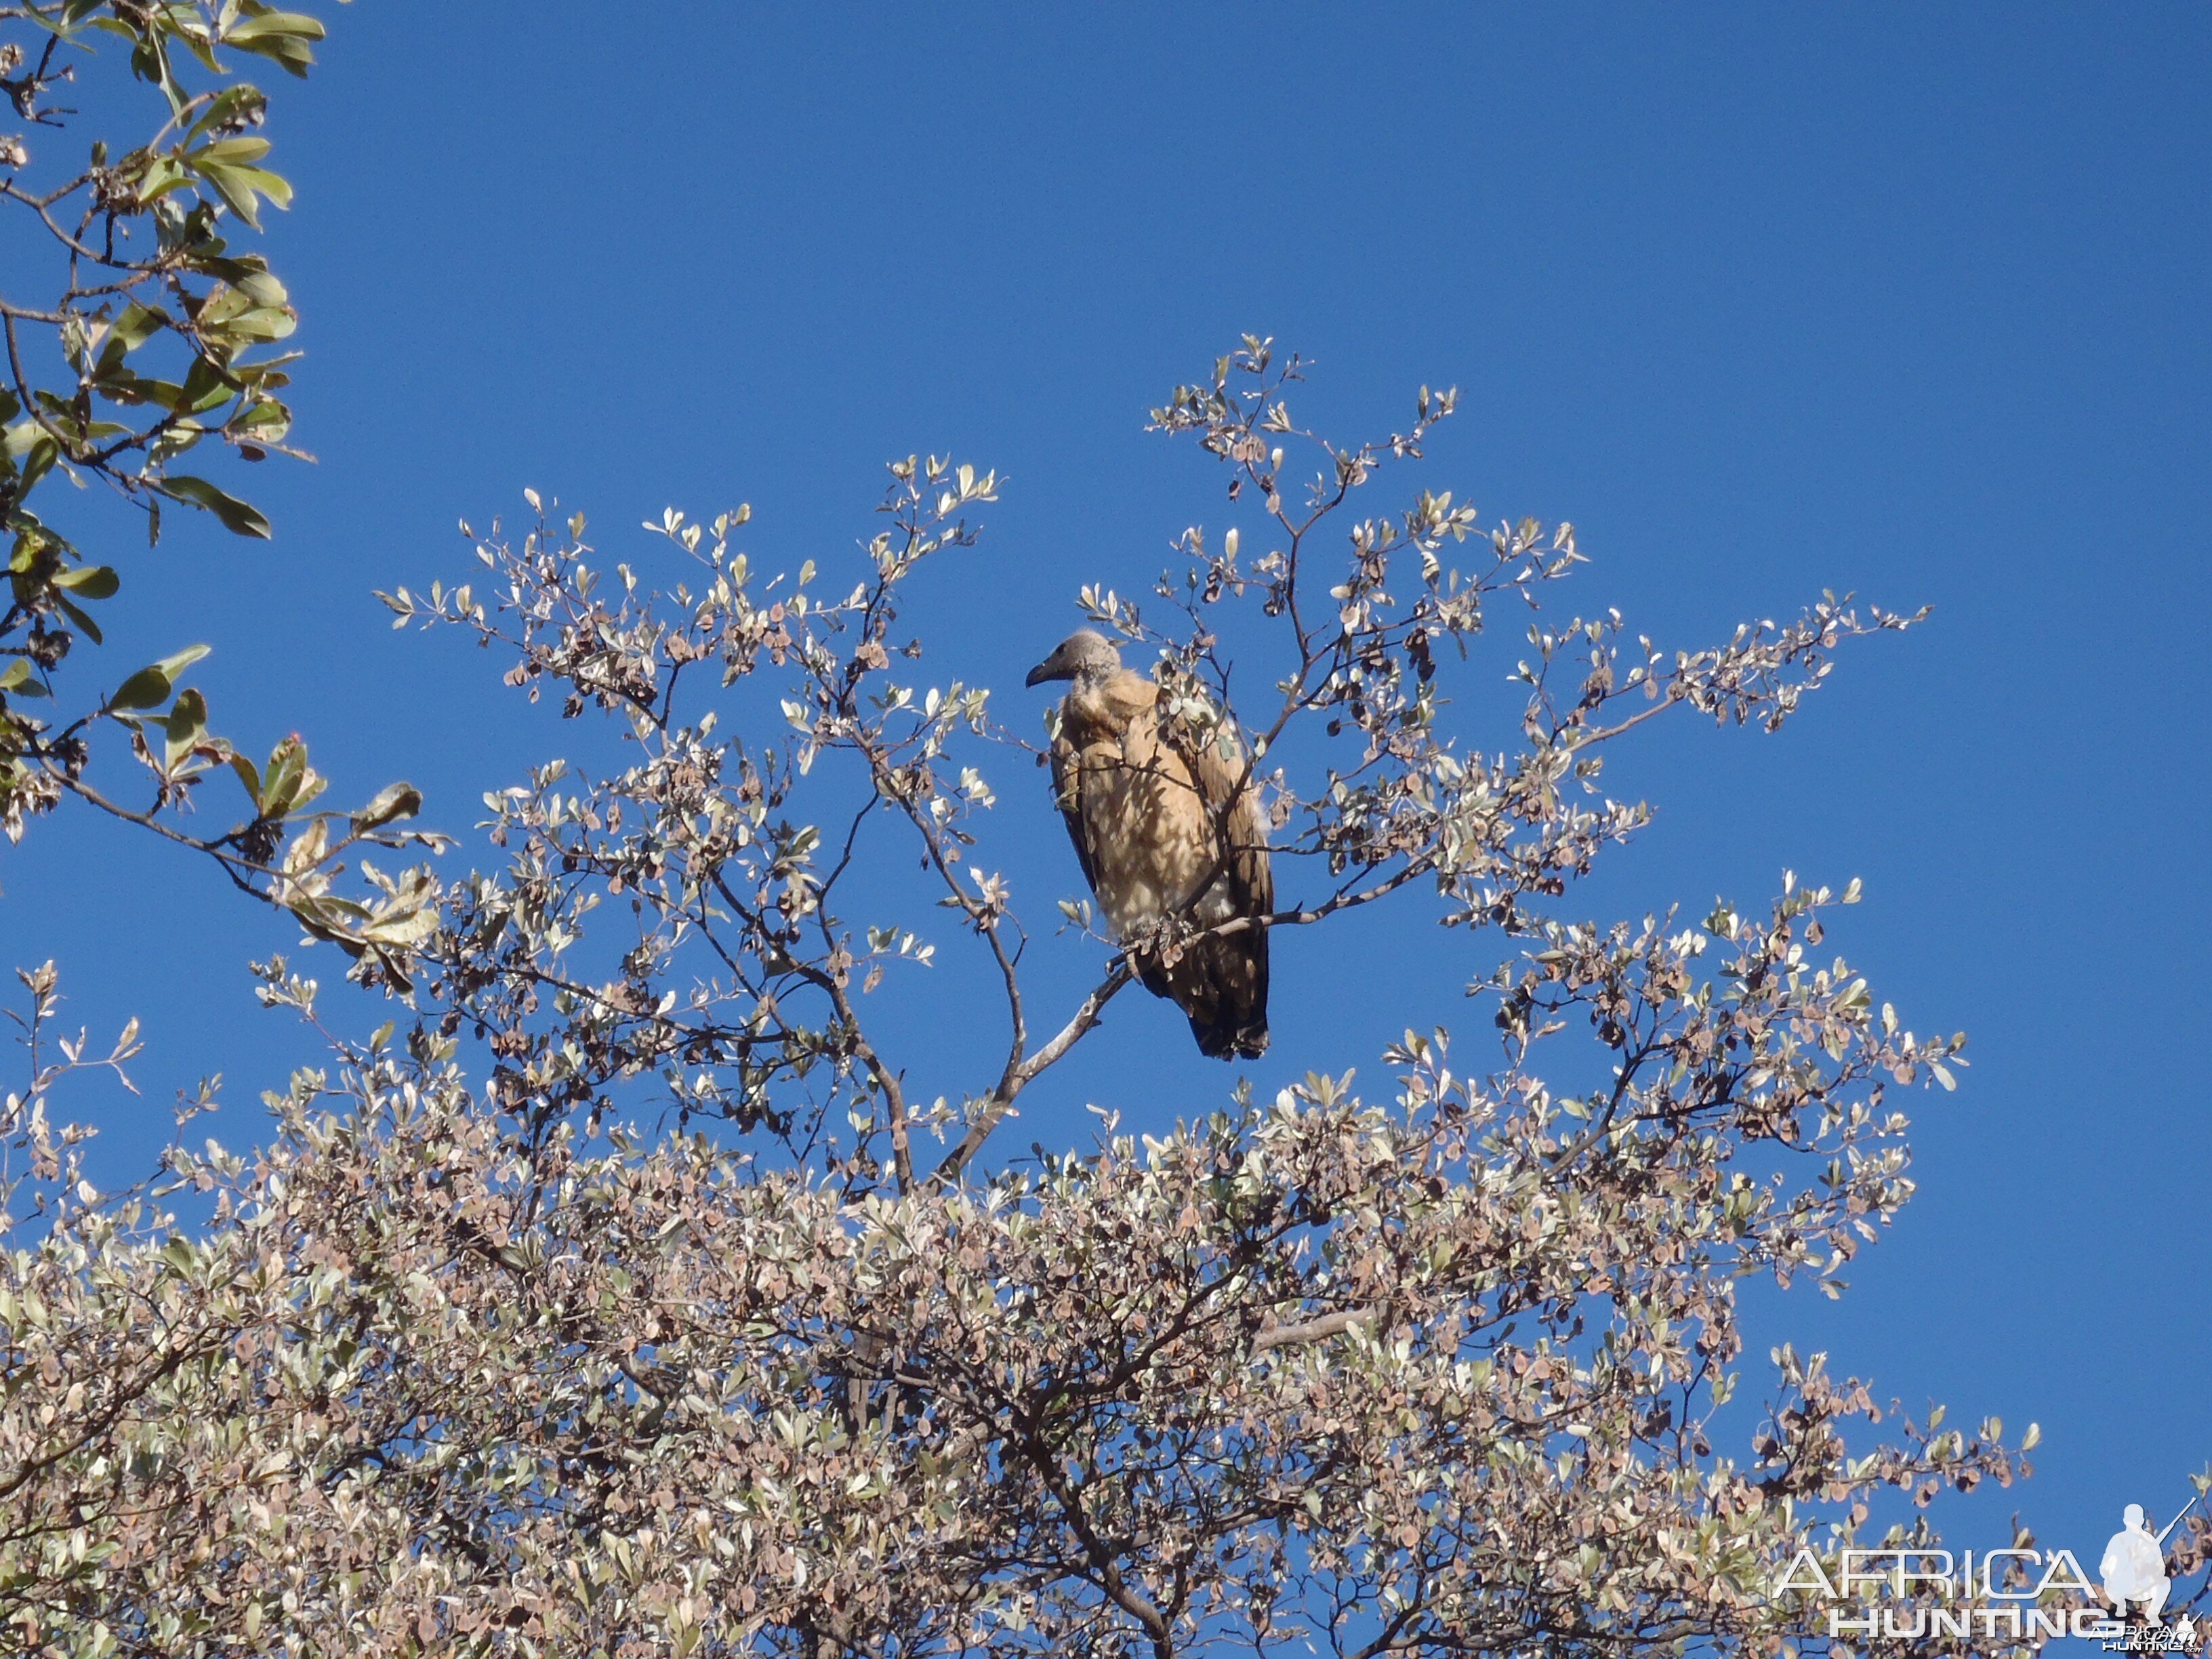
(466, 1361)
(156, 343)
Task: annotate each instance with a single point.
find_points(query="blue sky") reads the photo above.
(1907, 301)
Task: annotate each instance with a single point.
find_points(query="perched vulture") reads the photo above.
(1154, 816)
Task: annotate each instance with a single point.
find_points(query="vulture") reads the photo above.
(1164, 825)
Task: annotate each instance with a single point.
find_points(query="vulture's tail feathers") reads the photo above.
(1227, 1041)
(1221, 986)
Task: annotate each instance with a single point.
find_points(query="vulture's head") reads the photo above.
(1082, 655)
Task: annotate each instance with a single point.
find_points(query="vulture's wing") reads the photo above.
(1232, 800)
(1067, 794)
(1222, 981)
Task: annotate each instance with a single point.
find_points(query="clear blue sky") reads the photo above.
(1884, 298)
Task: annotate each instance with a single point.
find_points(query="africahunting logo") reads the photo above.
(1909, 1594)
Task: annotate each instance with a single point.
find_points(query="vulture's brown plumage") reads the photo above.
(1156, 814)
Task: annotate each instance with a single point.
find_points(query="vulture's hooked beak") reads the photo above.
(1079, 654)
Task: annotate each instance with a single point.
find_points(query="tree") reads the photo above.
(466, 1359)
(145, 284)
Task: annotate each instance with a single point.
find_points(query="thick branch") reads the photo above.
(1313, 1330)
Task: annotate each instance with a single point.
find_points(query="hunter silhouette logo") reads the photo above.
(2134, 1566)
(2134, 1573)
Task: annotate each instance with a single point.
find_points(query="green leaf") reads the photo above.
(89, 581)
(131, 331)
(266, 421)
(283, 37)
(232, 152)
(137, 324)
(205, 386)
(149, 687)
(175, 664)
(39, 461)
(268, 23)
(252, 283)
(274, 186)
(237, 517)
(76, 614)
(253, 309)
(284, 50)
(287, 780)
(394, 800)
(162, 176)
(186, 727)
(232, 108)
(237, 184)
(15, 673)
(196, 44)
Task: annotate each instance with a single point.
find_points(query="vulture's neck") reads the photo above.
(1099, 705)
